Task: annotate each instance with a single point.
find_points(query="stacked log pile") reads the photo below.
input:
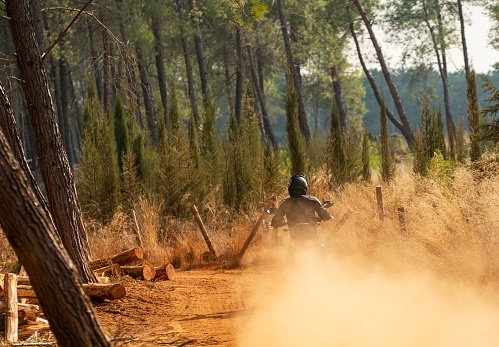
(21, 320)
(131, 263)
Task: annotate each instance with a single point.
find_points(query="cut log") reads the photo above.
(166, 272)
(146, 271)
(105, 291)
(107, 271)
(11, 314)
(94, 291)
(123, 258)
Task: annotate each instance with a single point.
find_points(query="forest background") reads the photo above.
(184, 102)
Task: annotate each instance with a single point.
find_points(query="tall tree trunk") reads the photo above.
(228, 85)
(198, 42)
(463, 39)
(151, 114)
(133, 96)
(302, 116)
(94, 62)
(374, 87)
(439, 46)
(59, 182)
(30, 231)
(64, 115)
(160, 65)
(337, 95)
(388, 78)
(239, 74)
(107, 81)
(265, 116)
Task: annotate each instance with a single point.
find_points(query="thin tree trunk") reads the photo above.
(463, 39)
(239, 74)
(32, 235)
(337, 95)
(107, 81)
(151, 114)
(64, 115)
(302, 116)
(442, 65)
(59, 182)
(374, 87)
(188, 66)
(160, 65)
(388, 78)
(228, 85)
(95, 62)
(198, 42)
(133, 96)
(261, 98)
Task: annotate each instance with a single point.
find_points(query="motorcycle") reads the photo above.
(306, 241)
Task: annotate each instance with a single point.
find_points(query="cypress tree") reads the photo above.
(386, 157)
(366, 165)
(473, 118)
(460, 143)
(120, 131)
(421, 160)
(336, 157)
(452, 145)
(438, 133)
(131, 185)
(295, 141)
(209, 144)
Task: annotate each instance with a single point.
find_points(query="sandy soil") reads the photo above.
(202, 307)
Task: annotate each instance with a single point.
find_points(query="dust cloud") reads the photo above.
(347, 304)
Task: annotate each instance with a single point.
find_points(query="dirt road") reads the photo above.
(199, 307)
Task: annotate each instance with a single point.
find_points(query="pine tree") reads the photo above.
(452, 145)
(131, 185)
(336, 157)
(366, 169)
(473, 118)
(295, 141)
(209, 143)
(120, 131)
(387, 166)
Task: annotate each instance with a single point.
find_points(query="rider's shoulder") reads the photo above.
(311, 198)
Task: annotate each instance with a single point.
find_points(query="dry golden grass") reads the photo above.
(453, 228)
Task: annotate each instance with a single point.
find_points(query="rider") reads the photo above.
(300, 210)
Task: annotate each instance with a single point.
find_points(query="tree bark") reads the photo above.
(165, 272)
(64, 115)
(228, 85)
(337, 95)
(133, 96)
(188, 66)
(107, 81)
(59, 182)
(388, 78)
(261, 98)
(302, 116)
(94, 62)
(463, 39)
(239, 74)
(160, 65)
(374, 87)
(151, 114)
(33, 237)
(198, 43)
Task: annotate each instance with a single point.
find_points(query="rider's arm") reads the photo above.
(323, 213)
(278, 219)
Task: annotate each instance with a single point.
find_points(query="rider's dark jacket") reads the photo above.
(299, 209)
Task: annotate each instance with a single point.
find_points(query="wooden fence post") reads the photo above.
(402, 220)
(252, 234)
(379, 198)
(195, 212)
(11, 318)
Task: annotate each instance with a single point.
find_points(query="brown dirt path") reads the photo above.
(203, 307)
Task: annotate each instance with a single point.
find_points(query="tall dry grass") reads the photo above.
(452, 223)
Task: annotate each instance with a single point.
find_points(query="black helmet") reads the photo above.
(297, 185)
